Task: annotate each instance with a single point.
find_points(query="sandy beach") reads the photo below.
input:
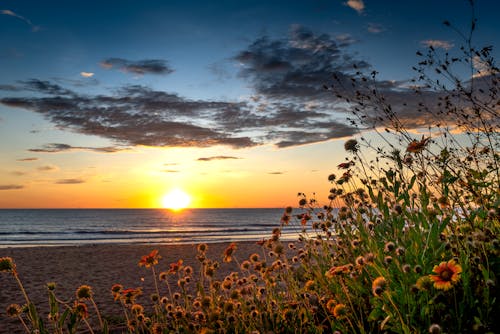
(99, 266)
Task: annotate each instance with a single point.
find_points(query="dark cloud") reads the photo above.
(276, 173)
(290, 106)
(218, 157)
(57, 147)
(11, 186)
(70, 181)
(140, 67)
(28, 159)
(295, 67)
(18, 173)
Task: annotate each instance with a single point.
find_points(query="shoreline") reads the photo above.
(100, 266)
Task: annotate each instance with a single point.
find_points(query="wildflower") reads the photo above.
(447, 274)
(7, 265)
(245, 265)
(202, 248)
(84, 292)
(351, 145)
(360, 261)
(163, 276)
(400, 251)
(13, 310)
(406, 268)
(424, 283)
(379, 285)
(416, 146)
(345, 165)
(229, 252)
(80, 309)
(389, 247)
(116, 290)
(339, 311)
(309, 285)
(417, 269)
(137, 309)
(129, 295)
(175, 267)
(150, 260)
(188, 270)
(435, 329)
(369, 258)
(51, 286)
(333, 271)
(388, 259)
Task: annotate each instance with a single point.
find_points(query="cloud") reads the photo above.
(218, 157)
(48, 168)
(375, 28)
(437, 44)
(135, 115)
(357, 5)
(27, 159)
(8, 12)
(11, 186)
(87, 74)
(140, 67)
(18, 173)
(170, 171)
(58, 147)
(289, 106)
(276, 173)
(69, 181)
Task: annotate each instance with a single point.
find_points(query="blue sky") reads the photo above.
(85, 80)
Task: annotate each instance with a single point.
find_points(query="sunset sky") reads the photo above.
(108, 104)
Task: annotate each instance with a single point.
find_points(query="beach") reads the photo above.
(99, 266)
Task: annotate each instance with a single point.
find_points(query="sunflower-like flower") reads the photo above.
(150, 260)
(447, 275)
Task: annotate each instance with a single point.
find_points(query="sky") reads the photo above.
(112, 104)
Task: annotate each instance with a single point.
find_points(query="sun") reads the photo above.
(176, 199)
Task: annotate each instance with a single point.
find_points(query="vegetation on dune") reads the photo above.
(408, 242)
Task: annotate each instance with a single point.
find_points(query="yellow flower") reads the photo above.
(447, 274)
(339, 311)
(379, 285)
(229, 252)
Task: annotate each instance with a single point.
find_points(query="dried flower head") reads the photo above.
(13, 310)
(351, 145)
(7, 265)
(84, 292)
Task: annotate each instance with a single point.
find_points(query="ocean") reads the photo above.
(54, 227)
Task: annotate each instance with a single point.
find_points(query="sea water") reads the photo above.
(50, 227)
